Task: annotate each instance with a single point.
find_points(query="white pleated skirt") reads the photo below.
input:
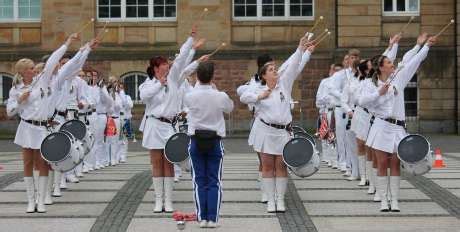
(267, 139)
(30, 136)
(385, 136)
(360, 123)
(142, 125)
(156, 133)
(251, 134)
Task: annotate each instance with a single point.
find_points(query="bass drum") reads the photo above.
(176, 148)
(415, 154)
(81, 132)
(301, 156)
(62, 151)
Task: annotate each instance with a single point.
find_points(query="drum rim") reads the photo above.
(68, 152)
(309, 135)
(78, 121)
(167, 142)
(301, 128)
(299, 138)
(408, 135)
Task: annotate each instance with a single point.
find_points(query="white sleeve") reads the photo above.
(147, 91)
(51, 63)
(391, 52)
(188, 71)
(410, 54)
(408, 70)
(288, 77)
(226, 103)
(344, 99)
(179, 62)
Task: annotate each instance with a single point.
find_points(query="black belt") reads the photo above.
(366, 110)
(121, 113)
(61, 113)
(114, 117)
(330, 109)
(93, 110)
(282, 127)
(396, 122)
(101, 113)
(36, 123)
(162, 119)
(372, 120)
(81, 114)
(338, 106)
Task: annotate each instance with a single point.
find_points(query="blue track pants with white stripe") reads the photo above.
(206, 178)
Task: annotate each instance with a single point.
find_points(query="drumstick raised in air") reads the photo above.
(205, 10)
(322, 38)
(217, 49)
(100, 35)
(320, 35)
(85, 25)
(316, 23)
(445, 28)
(407, 24)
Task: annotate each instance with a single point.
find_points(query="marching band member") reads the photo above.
(127, 106)
(271, 128)
(387, 95)
(30, 93)
(162, 103)
(207, 127)
(114, 113)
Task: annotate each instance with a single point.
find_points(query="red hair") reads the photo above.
(155, 62)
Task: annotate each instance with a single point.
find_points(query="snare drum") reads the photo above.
(81, 132)
(296, 129)
(301, 156)
(176, 148)
(415, 154)
(301, 134)
(62, 151)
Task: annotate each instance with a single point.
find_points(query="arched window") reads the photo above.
(6, 81)
(132, 81)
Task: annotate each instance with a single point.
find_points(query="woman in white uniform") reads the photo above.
(387, 95)
(30, 98)
(273, 122)
(161, 96)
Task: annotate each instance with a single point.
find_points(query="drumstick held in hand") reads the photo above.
(445, 28)
(316, 23)
(217, 49)
(319, 41)
(407, 24)
(321, 35)
(103, 31)
(85, 25)
(205, 10)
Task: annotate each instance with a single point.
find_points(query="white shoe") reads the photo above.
(85, 169)
(269, 186)
(63, 184)
(91, 168)
(123, 160)
(42, 185)
(49, 188)
(382, 188)
(212, 224)
(394, 189)
(362, 169)
(329, 163)
(168, 187)
(281, 186)
(347, 173)
(72, 178)
(158, 188)
(79, 175)
(362, 182)
(30, 190)
(203, 224)
(176, 179)
(97, 167)
(351, 178)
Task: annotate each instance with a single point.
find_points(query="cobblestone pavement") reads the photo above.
(120, 198)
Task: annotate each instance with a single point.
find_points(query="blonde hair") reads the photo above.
(39, 67)
(20, 67)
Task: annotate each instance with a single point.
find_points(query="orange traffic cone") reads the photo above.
(438, 162)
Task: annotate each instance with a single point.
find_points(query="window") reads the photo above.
(273, 10)
(6, 81)
(411, 97)
(20, 10)
(137, 10)
(401, 7)
(132, 80)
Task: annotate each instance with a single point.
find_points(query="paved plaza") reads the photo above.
(120, 198)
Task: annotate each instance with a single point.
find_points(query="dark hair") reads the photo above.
(205, 72)
(262, 72)
(262, 60)
(66, 56)
(377, 61)
(362, 68)
(155, 62)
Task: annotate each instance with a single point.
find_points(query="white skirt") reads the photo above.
(385, 136)
(267, 139)
(251, 134)
(360, 123)
(156, 133)
(30, 136)
(142, 125)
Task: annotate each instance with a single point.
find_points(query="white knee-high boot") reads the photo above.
(281, 186)
(42, 185)
(394, 189)
(57, 183)
(370, 177)
(362, 169)
(30, 189)
(49, 187)
(168, 187)
(377, 197)
(269, 186)
(263, 194)
(35, 174)
(158, 187)
(382, 188)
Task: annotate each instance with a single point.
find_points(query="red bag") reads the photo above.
(110, 127)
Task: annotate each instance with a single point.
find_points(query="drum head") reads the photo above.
(176, 148)
(413, 148)
(298, 152)
(76, 128)
(296, 129)
(55, 147)
(305, 135)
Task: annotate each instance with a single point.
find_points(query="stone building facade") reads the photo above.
(141, 29)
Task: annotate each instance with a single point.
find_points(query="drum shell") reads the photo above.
(420, 167)
(73, 158)
(186, 159)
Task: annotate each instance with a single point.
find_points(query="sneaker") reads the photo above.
(72, 179)
(176, 179)
(203, 224)
(352, 178)
(212, 224)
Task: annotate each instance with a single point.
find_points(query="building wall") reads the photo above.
(128, 46)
